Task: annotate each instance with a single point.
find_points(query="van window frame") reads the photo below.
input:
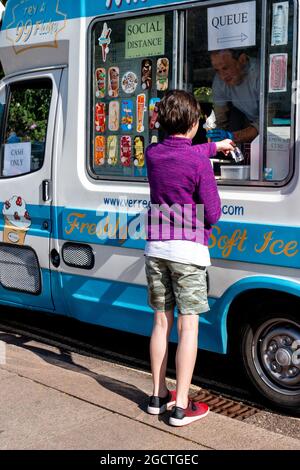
(8, 87)
(260, 182)
(90, 75)
(179, 40)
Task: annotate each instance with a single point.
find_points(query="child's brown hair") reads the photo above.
(178, 111)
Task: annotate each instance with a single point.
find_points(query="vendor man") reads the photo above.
(235, 89)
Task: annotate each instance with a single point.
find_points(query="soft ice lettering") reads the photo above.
(277, 247)
(240, 241)
(119, 227)
(226, 243)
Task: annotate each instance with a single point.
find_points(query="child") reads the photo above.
(179, 174)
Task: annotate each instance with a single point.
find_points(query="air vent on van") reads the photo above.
(19, 269)
(77, 255)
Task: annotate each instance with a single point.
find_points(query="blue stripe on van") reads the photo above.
(23, 300)
(275, 245)
(124, 307)
(59, 10)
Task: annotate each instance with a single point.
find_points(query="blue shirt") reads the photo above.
(244, 96)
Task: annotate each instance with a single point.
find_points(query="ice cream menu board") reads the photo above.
(131, 73)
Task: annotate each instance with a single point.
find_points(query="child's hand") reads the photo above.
(226, 146)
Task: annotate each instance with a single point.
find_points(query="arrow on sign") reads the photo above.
(241, 38)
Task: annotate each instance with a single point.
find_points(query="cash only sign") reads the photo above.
(231, 26)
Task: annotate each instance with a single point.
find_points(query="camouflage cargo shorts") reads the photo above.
(171, 283)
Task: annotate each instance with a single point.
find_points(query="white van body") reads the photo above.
(255, 275)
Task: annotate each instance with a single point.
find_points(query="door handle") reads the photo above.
(46, 190)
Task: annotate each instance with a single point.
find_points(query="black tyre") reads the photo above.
(271, 356)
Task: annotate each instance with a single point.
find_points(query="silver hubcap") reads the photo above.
(276, 355)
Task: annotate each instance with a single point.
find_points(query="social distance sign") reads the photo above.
(231, 26)
(145, 37)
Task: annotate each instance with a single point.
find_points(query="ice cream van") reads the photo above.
(78, 106)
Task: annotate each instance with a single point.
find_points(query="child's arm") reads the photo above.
(206, 150)
(208, 193)
(210, 150)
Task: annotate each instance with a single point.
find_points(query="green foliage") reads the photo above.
(28, 113)
(203, 94)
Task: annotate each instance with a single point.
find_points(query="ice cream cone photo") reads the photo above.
(16, 221)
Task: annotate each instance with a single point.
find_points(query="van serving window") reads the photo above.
(131, 72)
(239, 63)
(238, 59)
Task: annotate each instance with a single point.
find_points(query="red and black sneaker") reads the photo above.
(159, 405)
(194, 411)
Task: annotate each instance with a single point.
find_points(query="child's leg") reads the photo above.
(186, 355)
(190, 290)
(161, 299)
(163, 322)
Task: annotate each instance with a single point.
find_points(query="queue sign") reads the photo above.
(231, 26)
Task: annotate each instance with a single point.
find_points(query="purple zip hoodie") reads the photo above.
(181, 178)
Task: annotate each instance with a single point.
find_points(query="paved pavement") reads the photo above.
(56, 399)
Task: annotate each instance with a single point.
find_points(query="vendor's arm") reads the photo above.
(248, 134)
(221, 113)
(245, 135)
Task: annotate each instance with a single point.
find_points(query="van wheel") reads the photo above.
(271, 356)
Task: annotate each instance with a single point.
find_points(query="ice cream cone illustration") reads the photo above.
(16, 221)
(104, 41)
(140, 112)
(139, 159)
(113, 81)
(162, 74)
(99, 154)
(112, 150)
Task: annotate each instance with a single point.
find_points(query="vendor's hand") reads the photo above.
(215, 135)
(226, 146)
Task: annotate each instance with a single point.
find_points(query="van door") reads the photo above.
(27, 115)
